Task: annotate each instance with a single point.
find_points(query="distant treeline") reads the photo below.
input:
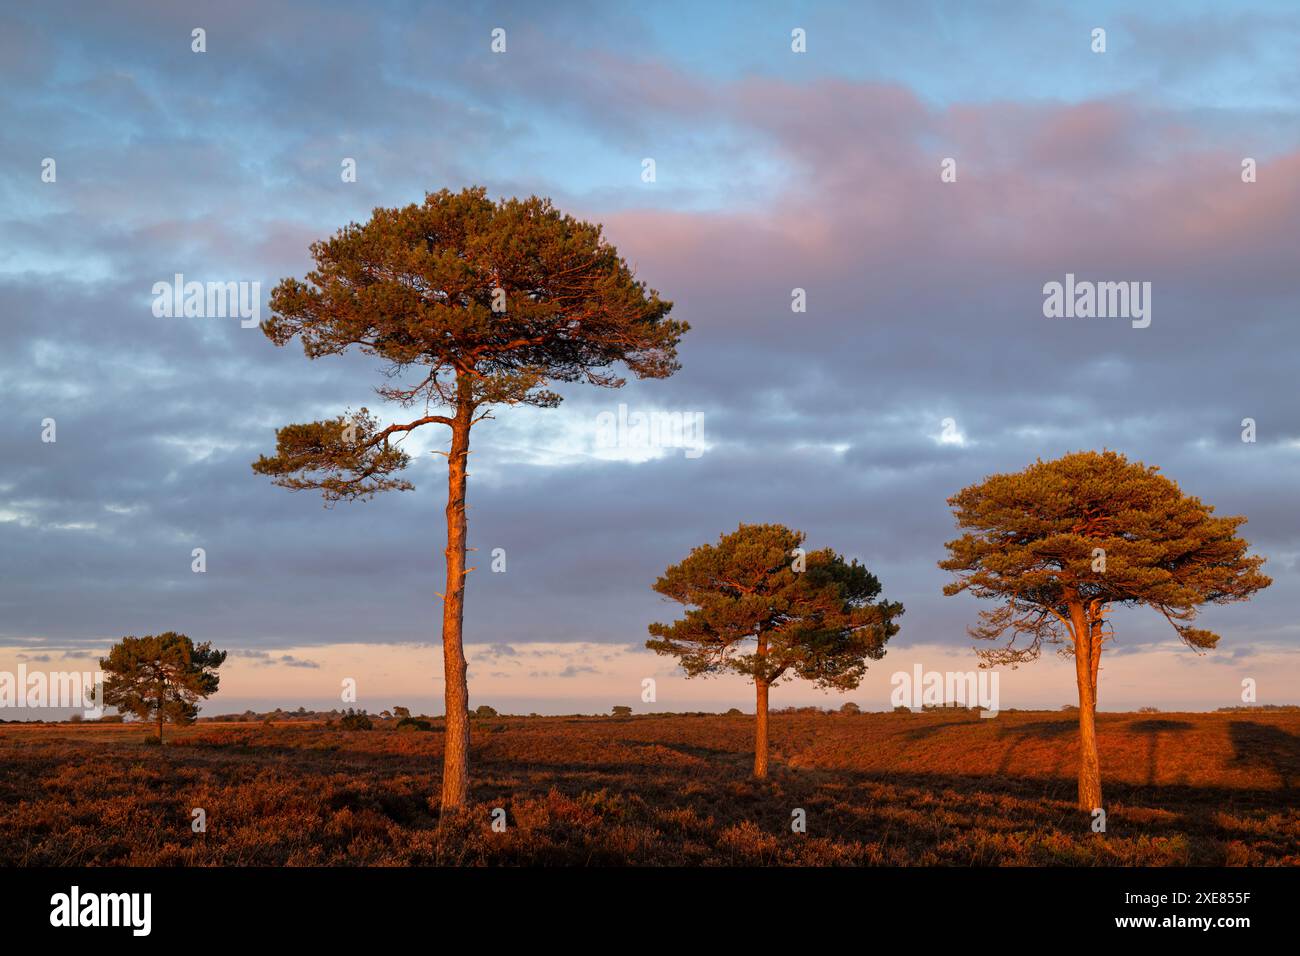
(401, 717)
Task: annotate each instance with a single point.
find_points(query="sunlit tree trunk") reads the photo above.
(760, 725)
(1085, 674)
(455, 763)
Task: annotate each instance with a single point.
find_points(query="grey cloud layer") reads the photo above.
(924, 303)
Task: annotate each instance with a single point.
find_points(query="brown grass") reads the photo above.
(935, 788)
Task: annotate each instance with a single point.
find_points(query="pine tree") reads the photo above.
(1062, 543)
(160, 677)
(758, 605)
(470, 303)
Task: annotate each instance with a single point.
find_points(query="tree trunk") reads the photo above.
(760, 731)
(160, 718)
(760, 715)
(1089, 764)
(1095, 630)
(455, 761)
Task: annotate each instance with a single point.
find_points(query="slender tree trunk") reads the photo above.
(455, 761)
(1089, 764)
(760, 716)
(1096, 661)
(161, 697)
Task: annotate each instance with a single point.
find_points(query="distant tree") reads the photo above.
(900, 709)
(850, 708)
(1062, 543)
(401, 712)
(821, 623)
(622, 710)
(483, 710)
(413, 723)
(160, 677)
(487, 303)
(734, 712)
(356, 720)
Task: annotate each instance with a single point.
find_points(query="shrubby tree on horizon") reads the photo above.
(160, 677)
(822, 623)
(1063, 542)
(470, 303)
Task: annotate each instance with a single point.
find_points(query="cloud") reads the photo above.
(924, 304)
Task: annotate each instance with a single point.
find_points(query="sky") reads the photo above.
(923, 361)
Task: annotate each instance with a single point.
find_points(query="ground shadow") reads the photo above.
(1038, 730)
(1152, 729)
(1268, 747)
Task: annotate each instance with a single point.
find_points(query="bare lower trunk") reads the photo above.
(1085, 674)
(760, 731)
(761, 684)
(1096, 662)
(455, 762)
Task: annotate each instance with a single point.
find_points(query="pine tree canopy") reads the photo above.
(468, 302)
(821, 623)
(1092, 530)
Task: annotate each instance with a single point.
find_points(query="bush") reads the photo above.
(1148, 710)
(850, 708)
(900, 709)
(735, 712)
(621, 710)
(410, 724)
(483, 710)
(355, 720)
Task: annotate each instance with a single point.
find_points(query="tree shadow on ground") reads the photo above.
(1266, 747)
(1152, 729)
(1018, 734)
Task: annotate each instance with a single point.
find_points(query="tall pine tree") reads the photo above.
(469, 303)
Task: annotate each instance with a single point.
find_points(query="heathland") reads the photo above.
(941, 787)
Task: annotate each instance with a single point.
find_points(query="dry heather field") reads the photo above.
(895, 789)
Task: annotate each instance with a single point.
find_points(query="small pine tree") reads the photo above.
(810, 615)
(160, 677)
